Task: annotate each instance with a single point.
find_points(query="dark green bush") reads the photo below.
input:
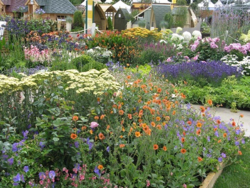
(110, 24)
(78, 19)
(79, 62)
(93, 65)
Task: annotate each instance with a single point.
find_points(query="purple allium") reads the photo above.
(25, 169)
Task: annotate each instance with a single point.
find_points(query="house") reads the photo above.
(121, 19)
(109, 11)
(99, 17)
(54, 9)
(2, 8)
(158, 13)
(122, 5)
(143, 16)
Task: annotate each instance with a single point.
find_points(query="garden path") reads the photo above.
(226, 115)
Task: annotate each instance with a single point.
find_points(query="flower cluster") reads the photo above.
(244, 49)
(40, 11)
(142, 32)
(35, 55)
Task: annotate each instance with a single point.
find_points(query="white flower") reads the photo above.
(187, 36)
(107, 54)
(163, 41)
(196, 34)
(91, 51)
(178, 30)
(176, 37)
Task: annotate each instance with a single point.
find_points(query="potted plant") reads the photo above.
(69, 21)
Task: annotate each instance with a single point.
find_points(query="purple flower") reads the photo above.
(14, 147)
(107, 149)
(237, 143)
(243, 141)
(52, 174)
(90, 144)
(220, 159)
(77, 144)
(237, 131)
(25, 169)
(25, 133)
(10, 161)
(42, 145)
(216, 133)
(223, 155)
(96, 170)
(18, 178)
(208, 138)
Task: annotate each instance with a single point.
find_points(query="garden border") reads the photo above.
(212, 177)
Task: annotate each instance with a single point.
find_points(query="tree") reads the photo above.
(78, 19)
(128, 2)
(110, 24)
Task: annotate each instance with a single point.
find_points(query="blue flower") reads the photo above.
(97, 171)
(25, 169)
(10, 161)
(25, 133)
(52, 174)
(90, 144)
(223, 155)
(107, 149)
(77, 144)
(237, 143)
(18, 178)
(14, 147)
(220, 159)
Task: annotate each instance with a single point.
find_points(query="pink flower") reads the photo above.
(94, 124)
(184, 185)
(148, 183)
(169, 59)
(213, 45)
(195, 58)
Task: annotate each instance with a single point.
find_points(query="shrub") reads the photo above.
(80, 61)
(169, 19)
(203, 73)
(78, 19)
(110, 24)
(93, 65)
(62, 66)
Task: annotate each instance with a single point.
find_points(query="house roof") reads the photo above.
(160, 12)
(121, 5)
(125, 13)
(107, 8)
(57, 6)
(14, 5)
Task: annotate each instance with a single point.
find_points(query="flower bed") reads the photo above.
(139, 136)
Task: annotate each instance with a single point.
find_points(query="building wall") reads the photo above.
(2, 9)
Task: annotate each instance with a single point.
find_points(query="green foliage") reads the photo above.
(181, 17)
(76, 2)
(69, 19)
(181, 2)
(62, 66)
(169, 19)
(142, 23)
(81, 61)
(93, 65)
(110, 24)
(78, 19)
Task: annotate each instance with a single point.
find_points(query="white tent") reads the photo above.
(121, 4)
(218, 4)
(206, 4)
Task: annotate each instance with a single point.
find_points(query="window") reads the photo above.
(109, 14)
(61, 18)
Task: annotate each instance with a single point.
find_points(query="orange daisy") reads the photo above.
(137, 134)
(73, 136)
(199, 125)
(122, 145)
(189, 122)
(183, 151)
(233, 123)
(239, 152)
(152, 124)
(75, 118)
(182, 140)
(159, 90)
(121, 112)
(225, 135)
(210, 102)
(100, 167)
(241, 115)
(158, 118)
(198, 132)
(159, 127)
(101, 136)
(156, 147)
(164, 148)
(200, 159)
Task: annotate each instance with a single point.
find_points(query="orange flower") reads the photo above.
(73, 136)
(101, 136)
(182, 140)
(156, 147)
(202, 108)
(183, 151)
(233, 123)
(239, 152)
(241, 115)
(159, 90)
(164, 148)
(218, 121)
(121, 136)
(158, 118)
(215, 129)
(225, 135)
(189, 122)
(129, 116)
(98, 99)
(96, 117)
(184, 134)
(200, 159)
(152, 124)
(219, 141)
(128, 77)
(121, 112)
(174, 112)
(159, 127)
(84, 128)
(75, 118)
(100, 167)
(210, 102)
(198, 132)
(137, 134)
(91, 132)
(122, 145)
(199, 125)
(102, 116)
(108, 126)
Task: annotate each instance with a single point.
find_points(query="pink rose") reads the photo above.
(94, 125)
(169, 59)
